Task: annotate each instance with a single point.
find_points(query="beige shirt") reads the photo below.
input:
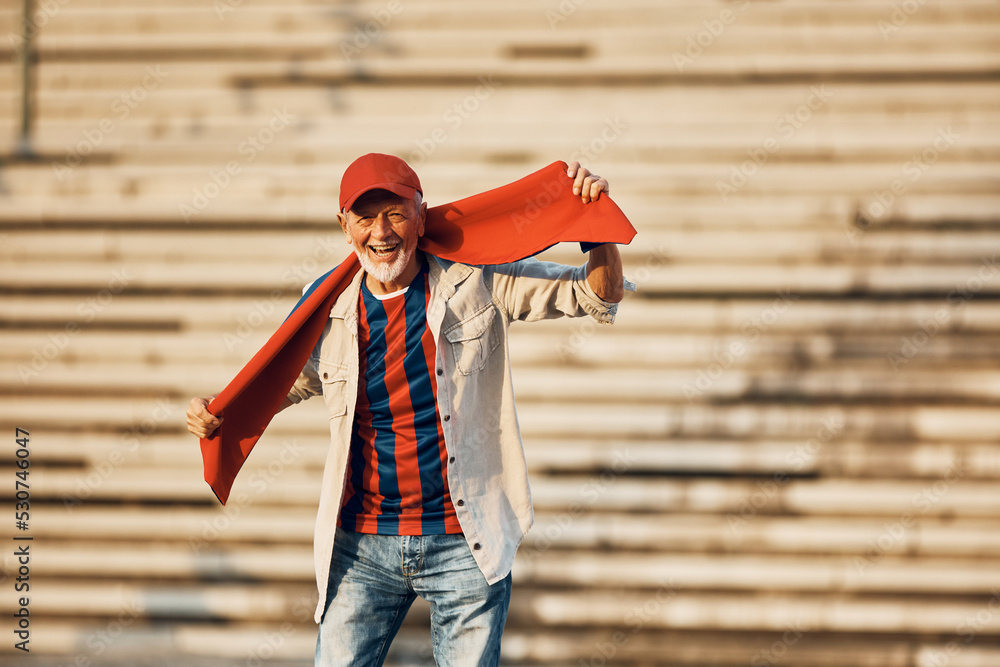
(469, 311)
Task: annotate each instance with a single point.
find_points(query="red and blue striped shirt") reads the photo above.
(397, 472)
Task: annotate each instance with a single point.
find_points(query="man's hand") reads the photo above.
(200, 421)
(589, 186)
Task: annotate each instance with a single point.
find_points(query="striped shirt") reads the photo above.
(397, 481)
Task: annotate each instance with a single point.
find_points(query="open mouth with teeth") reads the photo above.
(383, 249)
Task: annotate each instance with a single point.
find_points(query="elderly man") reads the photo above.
(430, 497)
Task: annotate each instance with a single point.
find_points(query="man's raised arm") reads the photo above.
(604, 265)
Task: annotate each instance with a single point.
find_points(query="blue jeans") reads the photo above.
(375, 578)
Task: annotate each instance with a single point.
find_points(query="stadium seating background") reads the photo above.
(785, 450)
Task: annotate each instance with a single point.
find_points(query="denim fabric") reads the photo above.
(375, 578)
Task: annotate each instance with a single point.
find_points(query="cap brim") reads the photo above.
(404, 191)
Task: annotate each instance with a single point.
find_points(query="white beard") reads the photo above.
(384, 273)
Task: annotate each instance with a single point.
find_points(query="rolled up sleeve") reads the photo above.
(532, 290)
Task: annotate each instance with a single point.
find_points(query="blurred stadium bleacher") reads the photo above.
(784, 452)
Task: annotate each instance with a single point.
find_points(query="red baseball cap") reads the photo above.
(377, 171)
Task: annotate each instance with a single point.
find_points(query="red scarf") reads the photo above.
(499, 226)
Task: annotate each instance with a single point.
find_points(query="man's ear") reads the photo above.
(422, 219)
(342, 219)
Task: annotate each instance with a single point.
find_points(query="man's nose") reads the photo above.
(382, 225)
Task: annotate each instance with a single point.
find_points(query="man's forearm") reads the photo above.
(604, 272)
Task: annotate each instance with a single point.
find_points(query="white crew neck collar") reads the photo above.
(390, 295)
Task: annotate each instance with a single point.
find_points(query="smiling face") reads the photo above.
(383, 229)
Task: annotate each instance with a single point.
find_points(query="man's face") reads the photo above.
(383, 229)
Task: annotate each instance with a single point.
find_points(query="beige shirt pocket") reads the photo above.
(333, 377)
(473, 340)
